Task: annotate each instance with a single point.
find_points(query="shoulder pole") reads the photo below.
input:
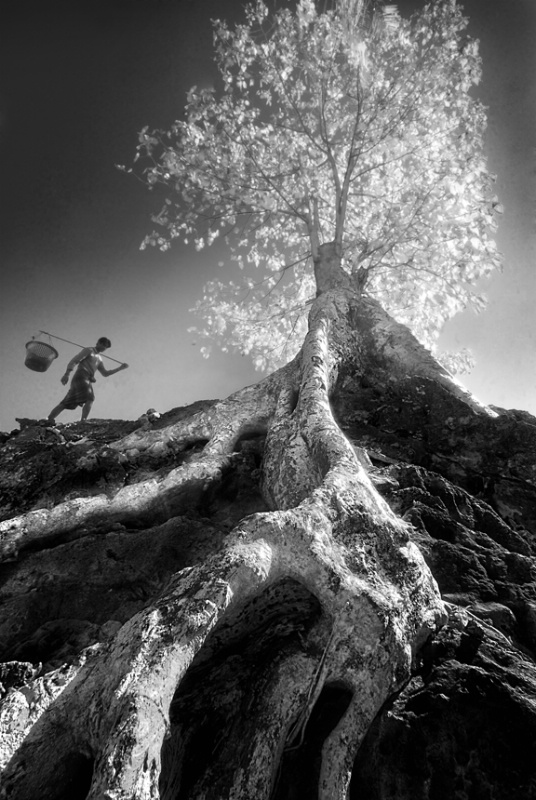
(78, 345)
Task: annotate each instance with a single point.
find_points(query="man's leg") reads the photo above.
(86, 408)
(55, 411)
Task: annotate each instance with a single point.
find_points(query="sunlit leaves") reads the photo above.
(332, 127)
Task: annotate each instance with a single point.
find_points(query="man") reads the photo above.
(80, 393)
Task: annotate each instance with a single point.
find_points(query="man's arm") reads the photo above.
(107, 372)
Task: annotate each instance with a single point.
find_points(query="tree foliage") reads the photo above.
(343, 126)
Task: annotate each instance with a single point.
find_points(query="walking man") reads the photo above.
(81, 393)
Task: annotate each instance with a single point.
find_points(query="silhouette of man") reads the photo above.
(81, 393)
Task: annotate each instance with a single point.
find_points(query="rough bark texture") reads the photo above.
(242, 599)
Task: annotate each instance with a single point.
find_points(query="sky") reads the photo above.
(78, 80)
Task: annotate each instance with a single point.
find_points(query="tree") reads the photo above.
(341, 140)
(311, 592)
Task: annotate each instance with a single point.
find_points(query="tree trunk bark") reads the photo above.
(280, 646)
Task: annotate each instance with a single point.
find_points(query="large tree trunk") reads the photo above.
(275, 601)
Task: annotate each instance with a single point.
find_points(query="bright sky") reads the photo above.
(77, 82)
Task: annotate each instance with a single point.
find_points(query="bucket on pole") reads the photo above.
(39, 355)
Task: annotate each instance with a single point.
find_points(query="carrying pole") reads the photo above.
(79, 345)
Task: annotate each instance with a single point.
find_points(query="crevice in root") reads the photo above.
(250, 433)
(73, 776)
(213, 714)
(293, 401)
(238, 493)
(299, 770)
(191, 448)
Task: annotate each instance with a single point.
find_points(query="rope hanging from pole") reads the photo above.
(78, 345)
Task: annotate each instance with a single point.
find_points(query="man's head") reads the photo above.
(103, 344)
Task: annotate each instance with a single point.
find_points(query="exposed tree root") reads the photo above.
(149, 501)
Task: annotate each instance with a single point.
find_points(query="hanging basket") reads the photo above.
(39, 356)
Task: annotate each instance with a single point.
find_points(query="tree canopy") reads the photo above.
(344, 126)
